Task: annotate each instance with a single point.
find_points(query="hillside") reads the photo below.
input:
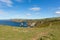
(48, 22)
(17, 33)
(40, 22)
(45, 29)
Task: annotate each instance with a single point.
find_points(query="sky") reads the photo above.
(29, 9)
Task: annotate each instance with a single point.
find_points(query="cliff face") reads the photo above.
(41, 22)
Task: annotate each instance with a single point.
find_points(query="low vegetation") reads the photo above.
(42, 31)
(17, 33)
(41, 22)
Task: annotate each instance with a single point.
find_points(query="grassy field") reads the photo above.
(45, 29)
(17, 33)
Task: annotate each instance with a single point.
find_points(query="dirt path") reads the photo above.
(39, 35)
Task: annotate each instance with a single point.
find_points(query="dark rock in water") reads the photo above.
(24, 24)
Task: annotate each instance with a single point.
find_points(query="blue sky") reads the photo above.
(29, 9)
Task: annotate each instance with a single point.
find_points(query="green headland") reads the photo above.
(44, 29)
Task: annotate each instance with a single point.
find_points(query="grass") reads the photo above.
(46, 29)
(17, 33)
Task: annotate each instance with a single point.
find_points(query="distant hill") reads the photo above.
(44, 29)
(41, 22)
(18, 33)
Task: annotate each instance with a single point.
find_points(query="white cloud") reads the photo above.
(6, 2)
(28, 14)
(35, 8)
(57, 12)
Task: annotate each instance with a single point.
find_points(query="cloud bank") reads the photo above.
(35, 8)
(57, 12)
(28, 14)
(6, 2)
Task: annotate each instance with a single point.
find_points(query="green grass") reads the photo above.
(17, 33)
(45, 29)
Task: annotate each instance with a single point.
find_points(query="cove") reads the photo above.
(11, 23)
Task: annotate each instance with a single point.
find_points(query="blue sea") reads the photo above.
(11, 23)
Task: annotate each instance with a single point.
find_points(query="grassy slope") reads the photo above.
(44, 32)
(15, 33)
